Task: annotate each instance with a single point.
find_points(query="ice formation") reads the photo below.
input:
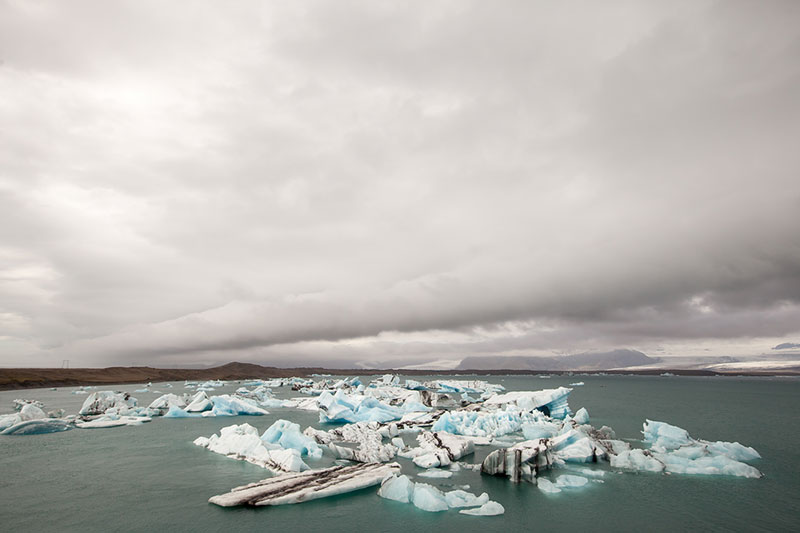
(429, 498)
(438, 449)
(97, 403)
(307, 486)
(242, 442)
(551, 402)
(368, 435)
(673, 450)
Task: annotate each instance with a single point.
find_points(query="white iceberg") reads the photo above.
(307, 486)
(487, 509)
(99, 402)
(243, 443)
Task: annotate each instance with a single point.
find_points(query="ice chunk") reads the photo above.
(459, 498)
(242, 442)
(545, 485)
(177, 412)
(227, 405)
(163, 403)
(306, 486)
(666, 436)
(400, 489)
(287, 435)
(551, 402)
(637, 460)
(112, 421)
(199, 403)
(99, 402)
(582, 416)
(367, 435)
(440, 449)
(540, 429)
(578, 384)
(37, 427)
(487, 509)
(429, 498)
(571, 482)
(435, 473)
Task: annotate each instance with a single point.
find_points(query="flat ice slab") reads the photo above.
(307, 486)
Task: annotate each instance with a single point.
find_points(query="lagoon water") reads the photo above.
(152, 477)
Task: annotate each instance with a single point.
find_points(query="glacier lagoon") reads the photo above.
(153, 477)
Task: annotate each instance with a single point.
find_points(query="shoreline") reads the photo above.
(37, 378)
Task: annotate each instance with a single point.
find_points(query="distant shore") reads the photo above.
(32, 378)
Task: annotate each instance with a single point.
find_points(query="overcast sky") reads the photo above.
(198, 182)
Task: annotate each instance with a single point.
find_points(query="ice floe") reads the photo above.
(307, 486)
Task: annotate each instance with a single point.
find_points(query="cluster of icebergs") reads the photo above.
(435, 425)
(528, 433)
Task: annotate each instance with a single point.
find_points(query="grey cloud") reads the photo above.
(787, 346)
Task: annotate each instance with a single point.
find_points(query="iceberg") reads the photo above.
(438, 449)
(227, 405)
(288, 436)
(243, 443)
(397, 488)
(436, 473)
(342, 407)
(112, 421)
(551, 402)
(459, 498)
(547, 486)
(571, 482)
(38, 427)
(429, 498)
(97, 403)
(673, 450)
(487, 509)
(307, 486)
(163, 403)
(199, 403)
(368, 436)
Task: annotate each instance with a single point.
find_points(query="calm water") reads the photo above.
(152, 477)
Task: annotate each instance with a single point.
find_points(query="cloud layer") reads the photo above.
(193, 182)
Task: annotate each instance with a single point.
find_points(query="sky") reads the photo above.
(303, 182)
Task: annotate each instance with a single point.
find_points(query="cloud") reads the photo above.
(379, 181)
(787, 346)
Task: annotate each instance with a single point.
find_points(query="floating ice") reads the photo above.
(487, 509)
(368, 436)
(99, 402)
(551, 402)
(342, 407)
(435, 473)
(673, 450)
(438, 449)
(287, 435)
(547, 486)
(112, 421)
(582, 416)
(227, 405)
(163, 403)
(459, 498)
(307, 486)
(199, 403)
(242, 442)
(397, 488)
(37, 427)
(571, 482)
(429, 498)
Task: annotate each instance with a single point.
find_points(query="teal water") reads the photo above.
(152, 477)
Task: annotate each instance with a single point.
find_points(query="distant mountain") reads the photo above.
(585, 361)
